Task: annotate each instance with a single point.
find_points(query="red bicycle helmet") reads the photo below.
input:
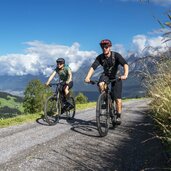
(105, 42)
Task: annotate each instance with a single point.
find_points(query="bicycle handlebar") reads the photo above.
(115, 79)
(54, 84)
(93, 82)
(110, 81)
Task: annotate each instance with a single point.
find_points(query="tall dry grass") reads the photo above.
(158, 86)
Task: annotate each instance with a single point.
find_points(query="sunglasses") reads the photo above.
(105, 47)
(60, 63)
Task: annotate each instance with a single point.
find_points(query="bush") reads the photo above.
(81, 98)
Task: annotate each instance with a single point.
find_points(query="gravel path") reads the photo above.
(76, 145)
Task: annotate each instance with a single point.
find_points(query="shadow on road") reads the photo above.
(42, 121)
(87, 128)
(132, 146)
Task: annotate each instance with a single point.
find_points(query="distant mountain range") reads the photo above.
(17, 84)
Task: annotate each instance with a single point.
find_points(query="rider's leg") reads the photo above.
(102, 86)
(118, 105)
(117, 97)
(67, 95)
(102, 82)
(66, 91)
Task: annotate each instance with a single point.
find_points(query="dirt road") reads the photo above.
(76, 145)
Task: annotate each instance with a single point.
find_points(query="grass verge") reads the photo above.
(32, 117)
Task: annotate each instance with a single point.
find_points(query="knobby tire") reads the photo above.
(52, 110)
(102, 115)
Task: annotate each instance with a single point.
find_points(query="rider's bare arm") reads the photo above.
(89, 75)
(50, 78)
(126, 70)
(69, 77)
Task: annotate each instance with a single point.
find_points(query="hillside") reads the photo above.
(10, 105)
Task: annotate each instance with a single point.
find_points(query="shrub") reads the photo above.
(81, 98)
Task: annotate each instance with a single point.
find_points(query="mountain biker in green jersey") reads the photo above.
(65, 75)
(110, 62)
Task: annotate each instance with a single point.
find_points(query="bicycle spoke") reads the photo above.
(52, 110)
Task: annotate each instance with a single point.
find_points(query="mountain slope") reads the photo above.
(10, 105)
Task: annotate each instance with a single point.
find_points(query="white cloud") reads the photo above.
(148, 45)
(120, 49)
(40, 57)
(139, 42)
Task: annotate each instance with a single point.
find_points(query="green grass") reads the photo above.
(32, 117)
(19, 119)
(85, 106)
(25, 118)
(11, 103)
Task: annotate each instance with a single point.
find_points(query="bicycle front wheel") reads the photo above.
(102, 115)
(52, 110)
(113, 115)
(71, 111)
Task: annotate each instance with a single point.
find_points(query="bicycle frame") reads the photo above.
(59, 95)
(54, 106)
(104, 97)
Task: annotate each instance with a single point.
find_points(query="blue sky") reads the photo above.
(39, 31)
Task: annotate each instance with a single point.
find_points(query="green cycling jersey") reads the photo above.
(63, 73)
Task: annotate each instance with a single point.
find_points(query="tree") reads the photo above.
(33, 97)
(81, 98)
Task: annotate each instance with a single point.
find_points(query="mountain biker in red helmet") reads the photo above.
(110, 62)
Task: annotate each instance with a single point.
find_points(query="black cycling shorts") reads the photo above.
(116, 87)
(70, 85)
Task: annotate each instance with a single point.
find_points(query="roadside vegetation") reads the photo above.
(10, 105)
(158, 86)
(19, 119)
(156, 77)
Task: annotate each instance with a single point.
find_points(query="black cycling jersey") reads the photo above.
(110, 64)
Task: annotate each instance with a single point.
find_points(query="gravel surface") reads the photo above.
(76, 145)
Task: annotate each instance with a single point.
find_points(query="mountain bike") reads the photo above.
(55, 106)
(105, 110)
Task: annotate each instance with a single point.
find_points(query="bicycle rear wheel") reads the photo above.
(52, 110)
(102, 115)
(71, 111)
